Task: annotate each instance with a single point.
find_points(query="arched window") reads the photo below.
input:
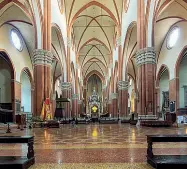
(172, 37)
(16, 39)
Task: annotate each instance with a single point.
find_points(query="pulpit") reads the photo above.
(60, 112)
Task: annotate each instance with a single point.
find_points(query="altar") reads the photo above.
(94, 105)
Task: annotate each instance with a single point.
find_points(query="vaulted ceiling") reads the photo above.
(94, 28)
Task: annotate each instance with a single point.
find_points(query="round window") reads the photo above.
(16, 40)
(172, 37)
(126, 5)
(61, 5)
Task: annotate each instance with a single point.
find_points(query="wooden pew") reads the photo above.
(17, 162)
(170, 119)
(147, 117)
(166, 161)
(108, 120)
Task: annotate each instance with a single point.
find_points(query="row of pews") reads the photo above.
(15, 162)
(18, 162)
(153, 121)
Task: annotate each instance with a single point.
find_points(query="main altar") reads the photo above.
(94, 105)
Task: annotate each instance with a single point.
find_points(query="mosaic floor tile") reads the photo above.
(93, 146)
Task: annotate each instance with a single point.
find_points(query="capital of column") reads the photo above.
(79, 101)
(104, 87)
(146, 56)
(81, 82)
(118, 41)
(69, 42)
(123, 85)
(109, 101)
(76, 67)
(66, 86)
(75, 96)
(113, 96)
(42, 57)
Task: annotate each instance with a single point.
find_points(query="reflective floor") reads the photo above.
(93, 146)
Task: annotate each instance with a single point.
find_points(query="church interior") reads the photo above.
(93, 84)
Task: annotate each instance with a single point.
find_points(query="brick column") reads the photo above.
(174, 92)
(79, 107)
(123, 98)
(74, 99)
(110, 107)
(42, 61)
(114, 97)
(66, 93)
(17, 91)
(157, 100)
(17, 99)
(104, 99)
(85, 98)
(146, 62)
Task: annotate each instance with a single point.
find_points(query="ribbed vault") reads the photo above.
(94, 25)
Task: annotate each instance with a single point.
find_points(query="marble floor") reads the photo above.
(93, 146)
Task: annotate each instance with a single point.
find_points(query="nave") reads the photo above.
(86, 80)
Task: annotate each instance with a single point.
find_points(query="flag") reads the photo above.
(46, 112)
(43, 112)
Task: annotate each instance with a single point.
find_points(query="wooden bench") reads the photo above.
(17, 162)
(166, 161)
(170, 119)
(147, 117)
(108, 121)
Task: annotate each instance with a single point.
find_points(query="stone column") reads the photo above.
(123, 98)
(42, 61)
(114, 97)
(75, 98)
(146, 62)
(66, 93)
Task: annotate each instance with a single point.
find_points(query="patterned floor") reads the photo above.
(93, 146)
